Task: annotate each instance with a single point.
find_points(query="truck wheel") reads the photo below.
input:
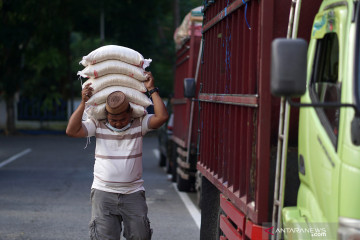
(209, 211)
(183, 184)
(173, 172)
(169, 153)
(162, 161)
(168, 166)
(173, 162)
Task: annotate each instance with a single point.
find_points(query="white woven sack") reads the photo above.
(113, 67)
(117, 53)
(133, 96)
(114, 80)
(98, 112)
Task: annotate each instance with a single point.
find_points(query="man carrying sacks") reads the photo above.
(117, 193)
(115, 68)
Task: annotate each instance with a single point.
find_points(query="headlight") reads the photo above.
(349, 229)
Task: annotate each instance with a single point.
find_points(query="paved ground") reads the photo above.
(45, 184)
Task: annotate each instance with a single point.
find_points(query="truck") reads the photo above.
(325, 74)
(273, 167)
(182, 159)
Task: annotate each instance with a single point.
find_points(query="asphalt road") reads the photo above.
(45, 185)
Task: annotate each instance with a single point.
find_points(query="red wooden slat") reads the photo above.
(263, 155)
(228, 229)
(245, 100)
(235, 149)
(234, 214)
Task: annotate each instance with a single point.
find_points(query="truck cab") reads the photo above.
(328, 147)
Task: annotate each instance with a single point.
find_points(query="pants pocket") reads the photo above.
(93, 232)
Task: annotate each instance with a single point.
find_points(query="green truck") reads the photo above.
(326, 75)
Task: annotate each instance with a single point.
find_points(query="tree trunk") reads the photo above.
(10, 116)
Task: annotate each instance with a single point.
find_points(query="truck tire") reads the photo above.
(173, 163)
(173, 172)
(162, 160)
(186, 185)
(169, 157)
(210, 209)
(168, 166)
(183, 184)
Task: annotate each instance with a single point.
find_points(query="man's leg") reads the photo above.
(134, 213)
(105, 222)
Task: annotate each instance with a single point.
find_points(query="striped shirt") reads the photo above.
(118, 155)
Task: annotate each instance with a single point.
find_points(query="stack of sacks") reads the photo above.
(115, 68)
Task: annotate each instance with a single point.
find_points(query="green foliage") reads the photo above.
(42, 42)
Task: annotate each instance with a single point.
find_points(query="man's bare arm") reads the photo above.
(161, 115)
(74, 127)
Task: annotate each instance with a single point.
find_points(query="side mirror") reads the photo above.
(189, 87)
(288, 67)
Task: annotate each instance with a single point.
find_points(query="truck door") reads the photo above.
(319, 127)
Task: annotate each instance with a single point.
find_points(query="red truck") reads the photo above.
(183, 162)
(225, 119)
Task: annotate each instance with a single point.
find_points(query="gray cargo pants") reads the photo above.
(109, 210)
